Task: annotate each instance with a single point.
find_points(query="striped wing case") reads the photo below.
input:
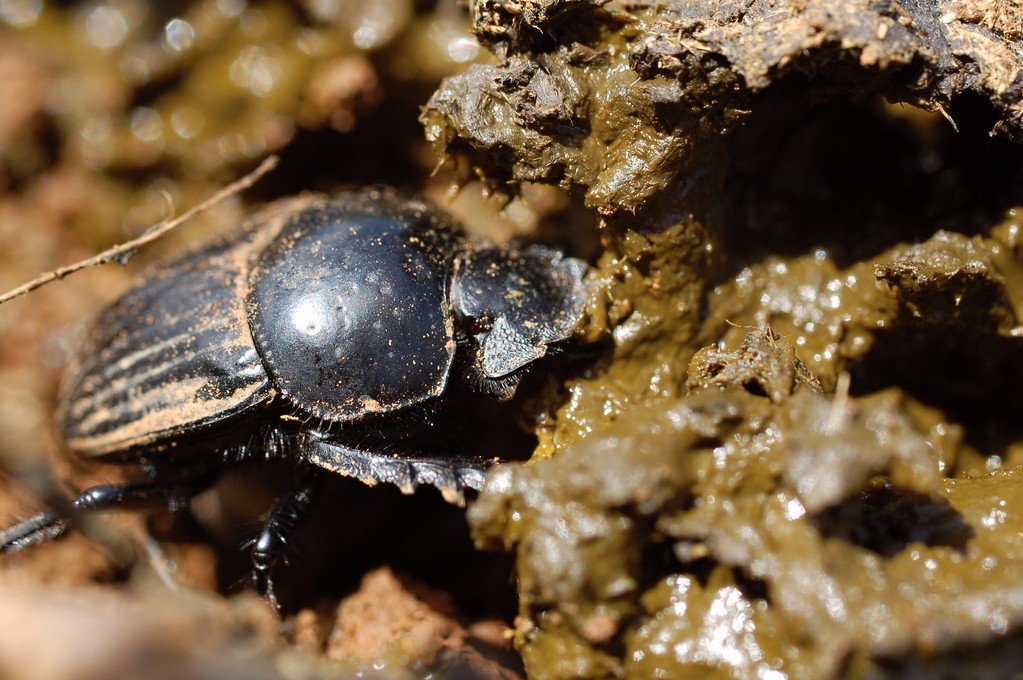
(175, 353)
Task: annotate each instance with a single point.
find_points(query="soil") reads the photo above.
(786, 445)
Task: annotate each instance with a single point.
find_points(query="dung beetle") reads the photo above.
(326, 331)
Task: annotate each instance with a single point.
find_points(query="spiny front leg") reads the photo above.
(451, 475)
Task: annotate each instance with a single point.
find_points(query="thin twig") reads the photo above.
(155, 232)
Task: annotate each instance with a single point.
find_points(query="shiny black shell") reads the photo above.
(350, 310)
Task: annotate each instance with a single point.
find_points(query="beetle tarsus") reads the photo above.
(277, 528)
(43, 527)
(49, 525)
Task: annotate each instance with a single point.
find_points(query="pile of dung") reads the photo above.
(795, 456)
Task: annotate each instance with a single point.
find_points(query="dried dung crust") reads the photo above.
(617, 102)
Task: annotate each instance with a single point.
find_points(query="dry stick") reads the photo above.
(152, 234)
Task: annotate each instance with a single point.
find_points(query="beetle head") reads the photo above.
(513, 304)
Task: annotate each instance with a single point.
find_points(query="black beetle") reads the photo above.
(325, 331)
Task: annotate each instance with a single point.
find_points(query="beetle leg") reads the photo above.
(450, 475)
(43, 527)
(51, 524)
(277, 528)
